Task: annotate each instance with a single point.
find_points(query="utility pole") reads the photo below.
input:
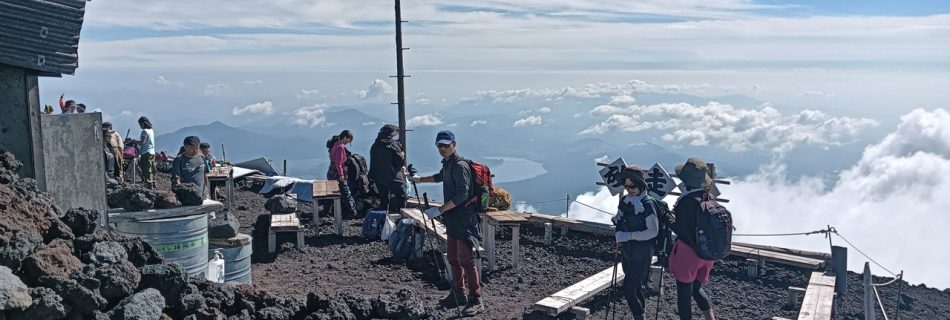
(400, 76)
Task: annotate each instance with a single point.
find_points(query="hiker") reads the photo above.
(189, 167)
(636, 228)
(146, 146)
(114, 145)
(210, 162)
(387, 164)
(461, 223)
(338, 155)
(689, 270)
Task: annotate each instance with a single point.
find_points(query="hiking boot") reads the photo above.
(454, 299)
(474, 306)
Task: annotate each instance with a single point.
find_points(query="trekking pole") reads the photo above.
(659, 291)
(425, 198)
(613, 287)
(435, 259)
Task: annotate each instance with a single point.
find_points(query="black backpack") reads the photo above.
(663, 242)
(406, 241)
(713, 229)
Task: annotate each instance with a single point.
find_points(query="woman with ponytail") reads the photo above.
(338, 155)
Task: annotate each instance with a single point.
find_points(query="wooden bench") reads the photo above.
(327, 190)
(569, 297)
(283, 223)
(493, 219)
(818, 303)
(783, 258)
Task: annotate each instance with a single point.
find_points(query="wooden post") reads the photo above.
(580, 313)
(547, 233)
(839, 265)
(316, 217)
(563, 231)
(338, 216)
(285, 167)
(869, 308)
(567, 209)
(656, 280)
(490, 247)
(299, 239)
(752, 268)
(271, 241)
(224, 155)
(791, 301)
(516, 247)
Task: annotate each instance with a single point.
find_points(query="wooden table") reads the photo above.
(327, 190)
(493, 219)
(223, 173)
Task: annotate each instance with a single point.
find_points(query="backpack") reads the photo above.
(355, 166)
(405, 242)
(482, 186)
(663, 242)
(713, 229)
(373, 224)
(129, 152)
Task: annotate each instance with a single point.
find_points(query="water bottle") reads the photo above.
(216, 268)
(703, 242)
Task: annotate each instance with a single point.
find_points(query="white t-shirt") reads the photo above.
(149, 146)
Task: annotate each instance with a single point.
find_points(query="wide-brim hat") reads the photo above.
(634, 173)
(694, 173)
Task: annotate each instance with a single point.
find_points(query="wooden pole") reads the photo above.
(839, 265)
(869, 310)
(547, 233)
(224, 155)
(400, 77)
(285, 167)
(516, 247)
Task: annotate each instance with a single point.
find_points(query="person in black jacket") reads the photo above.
(387, 163)
(461, 223)
(636, 228)
(689, 270)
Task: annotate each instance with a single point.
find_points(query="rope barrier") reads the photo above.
(779, 234)
(589, 206)
(863, 254)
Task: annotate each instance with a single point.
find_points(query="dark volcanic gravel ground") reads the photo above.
(355, 265)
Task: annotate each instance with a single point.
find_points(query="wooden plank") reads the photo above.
(516, 247)
(338, 216)
(325, 189)
(571, 296)
(778, 257)
(220, 173)
(496, 217)
(284, 222)
(572, 224)
(819, 297)
(119, 215)
(419, 203)
(794, 252)
(428, 224)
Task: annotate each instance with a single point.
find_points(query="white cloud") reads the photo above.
(423, 101)
(125, 113)
(429, 119)
(164, 82)
(307, 94)
(544, 110)
(265, 107)
(312, 116)
(478, 123)
(366, 124)
(378, 88)
(733, 128)
(888, 203)
(816, 93)
(622, 100)
(529, 121)
(216, 89)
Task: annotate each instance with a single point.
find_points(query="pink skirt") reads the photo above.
(686, 266)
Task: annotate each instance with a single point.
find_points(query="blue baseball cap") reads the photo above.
(445, 137)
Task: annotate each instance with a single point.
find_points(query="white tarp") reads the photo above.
(302, 188)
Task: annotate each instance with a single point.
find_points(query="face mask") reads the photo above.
(396, 138)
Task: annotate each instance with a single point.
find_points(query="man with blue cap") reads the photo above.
(461, 223)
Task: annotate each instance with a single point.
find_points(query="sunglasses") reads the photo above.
(442, 145)
(629, 186)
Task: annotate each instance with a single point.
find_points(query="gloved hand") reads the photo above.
(415, 179)
(433, 212)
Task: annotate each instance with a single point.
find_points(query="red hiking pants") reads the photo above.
(462, 262)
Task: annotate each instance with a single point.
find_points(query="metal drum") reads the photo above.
(237, 257)
(182, 240)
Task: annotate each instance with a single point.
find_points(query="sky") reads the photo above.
(825, 73)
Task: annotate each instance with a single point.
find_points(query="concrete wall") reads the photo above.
(75, 169)
(20, 121)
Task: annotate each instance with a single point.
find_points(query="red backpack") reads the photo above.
(481, 186)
